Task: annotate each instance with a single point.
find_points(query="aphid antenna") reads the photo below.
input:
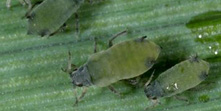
(115, 36)
(141, 39)
(151, 77)
(77, 99)
(70, 66)
(118, 34)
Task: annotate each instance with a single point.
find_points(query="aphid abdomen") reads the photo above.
(122, 61)
(183, 76)
(50, 15)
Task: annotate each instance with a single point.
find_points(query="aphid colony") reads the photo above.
(122, 61)
(132, 58)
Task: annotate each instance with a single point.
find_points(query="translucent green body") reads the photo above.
(122, 61)
(50, 15)
(179, 78)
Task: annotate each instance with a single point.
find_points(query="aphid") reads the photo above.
(50, 15)
(179, 78)
(124, 60)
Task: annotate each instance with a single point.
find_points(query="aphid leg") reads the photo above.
(151, 77)
(114, 90)
(95, 44)
(29, 4)
(77, 23)
(82, 95)
(71, 67)
(110, 43)
(30, 7)
(22, 2)
(181, 98)
(133, 81)
(8, 4)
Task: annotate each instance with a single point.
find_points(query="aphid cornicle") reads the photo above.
(179, 78)
(50, 15)
(124, 60)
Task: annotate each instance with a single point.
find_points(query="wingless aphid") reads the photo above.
(179, 78)
(50, 15)
(124, 60)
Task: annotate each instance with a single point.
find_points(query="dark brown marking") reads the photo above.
(140, 39)
(44, 32)
(30, 16)
(203, 75)
(62, 28)
(114, 90)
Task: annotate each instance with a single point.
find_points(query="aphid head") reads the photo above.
(81, 77)
(153, 90)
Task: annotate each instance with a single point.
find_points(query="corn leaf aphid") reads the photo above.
(50, 15)
(178, 79)
(124, 60)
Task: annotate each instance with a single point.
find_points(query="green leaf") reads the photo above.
(30, 66)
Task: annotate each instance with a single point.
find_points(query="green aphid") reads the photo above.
(178, 79)
(50, 15)
(124, 60)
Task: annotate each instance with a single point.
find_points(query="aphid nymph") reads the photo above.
(179, 78)
(48, 17)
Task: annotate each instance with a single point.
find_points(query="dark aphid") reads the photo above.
(124, 60)
(50, 15)
(178, 79)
